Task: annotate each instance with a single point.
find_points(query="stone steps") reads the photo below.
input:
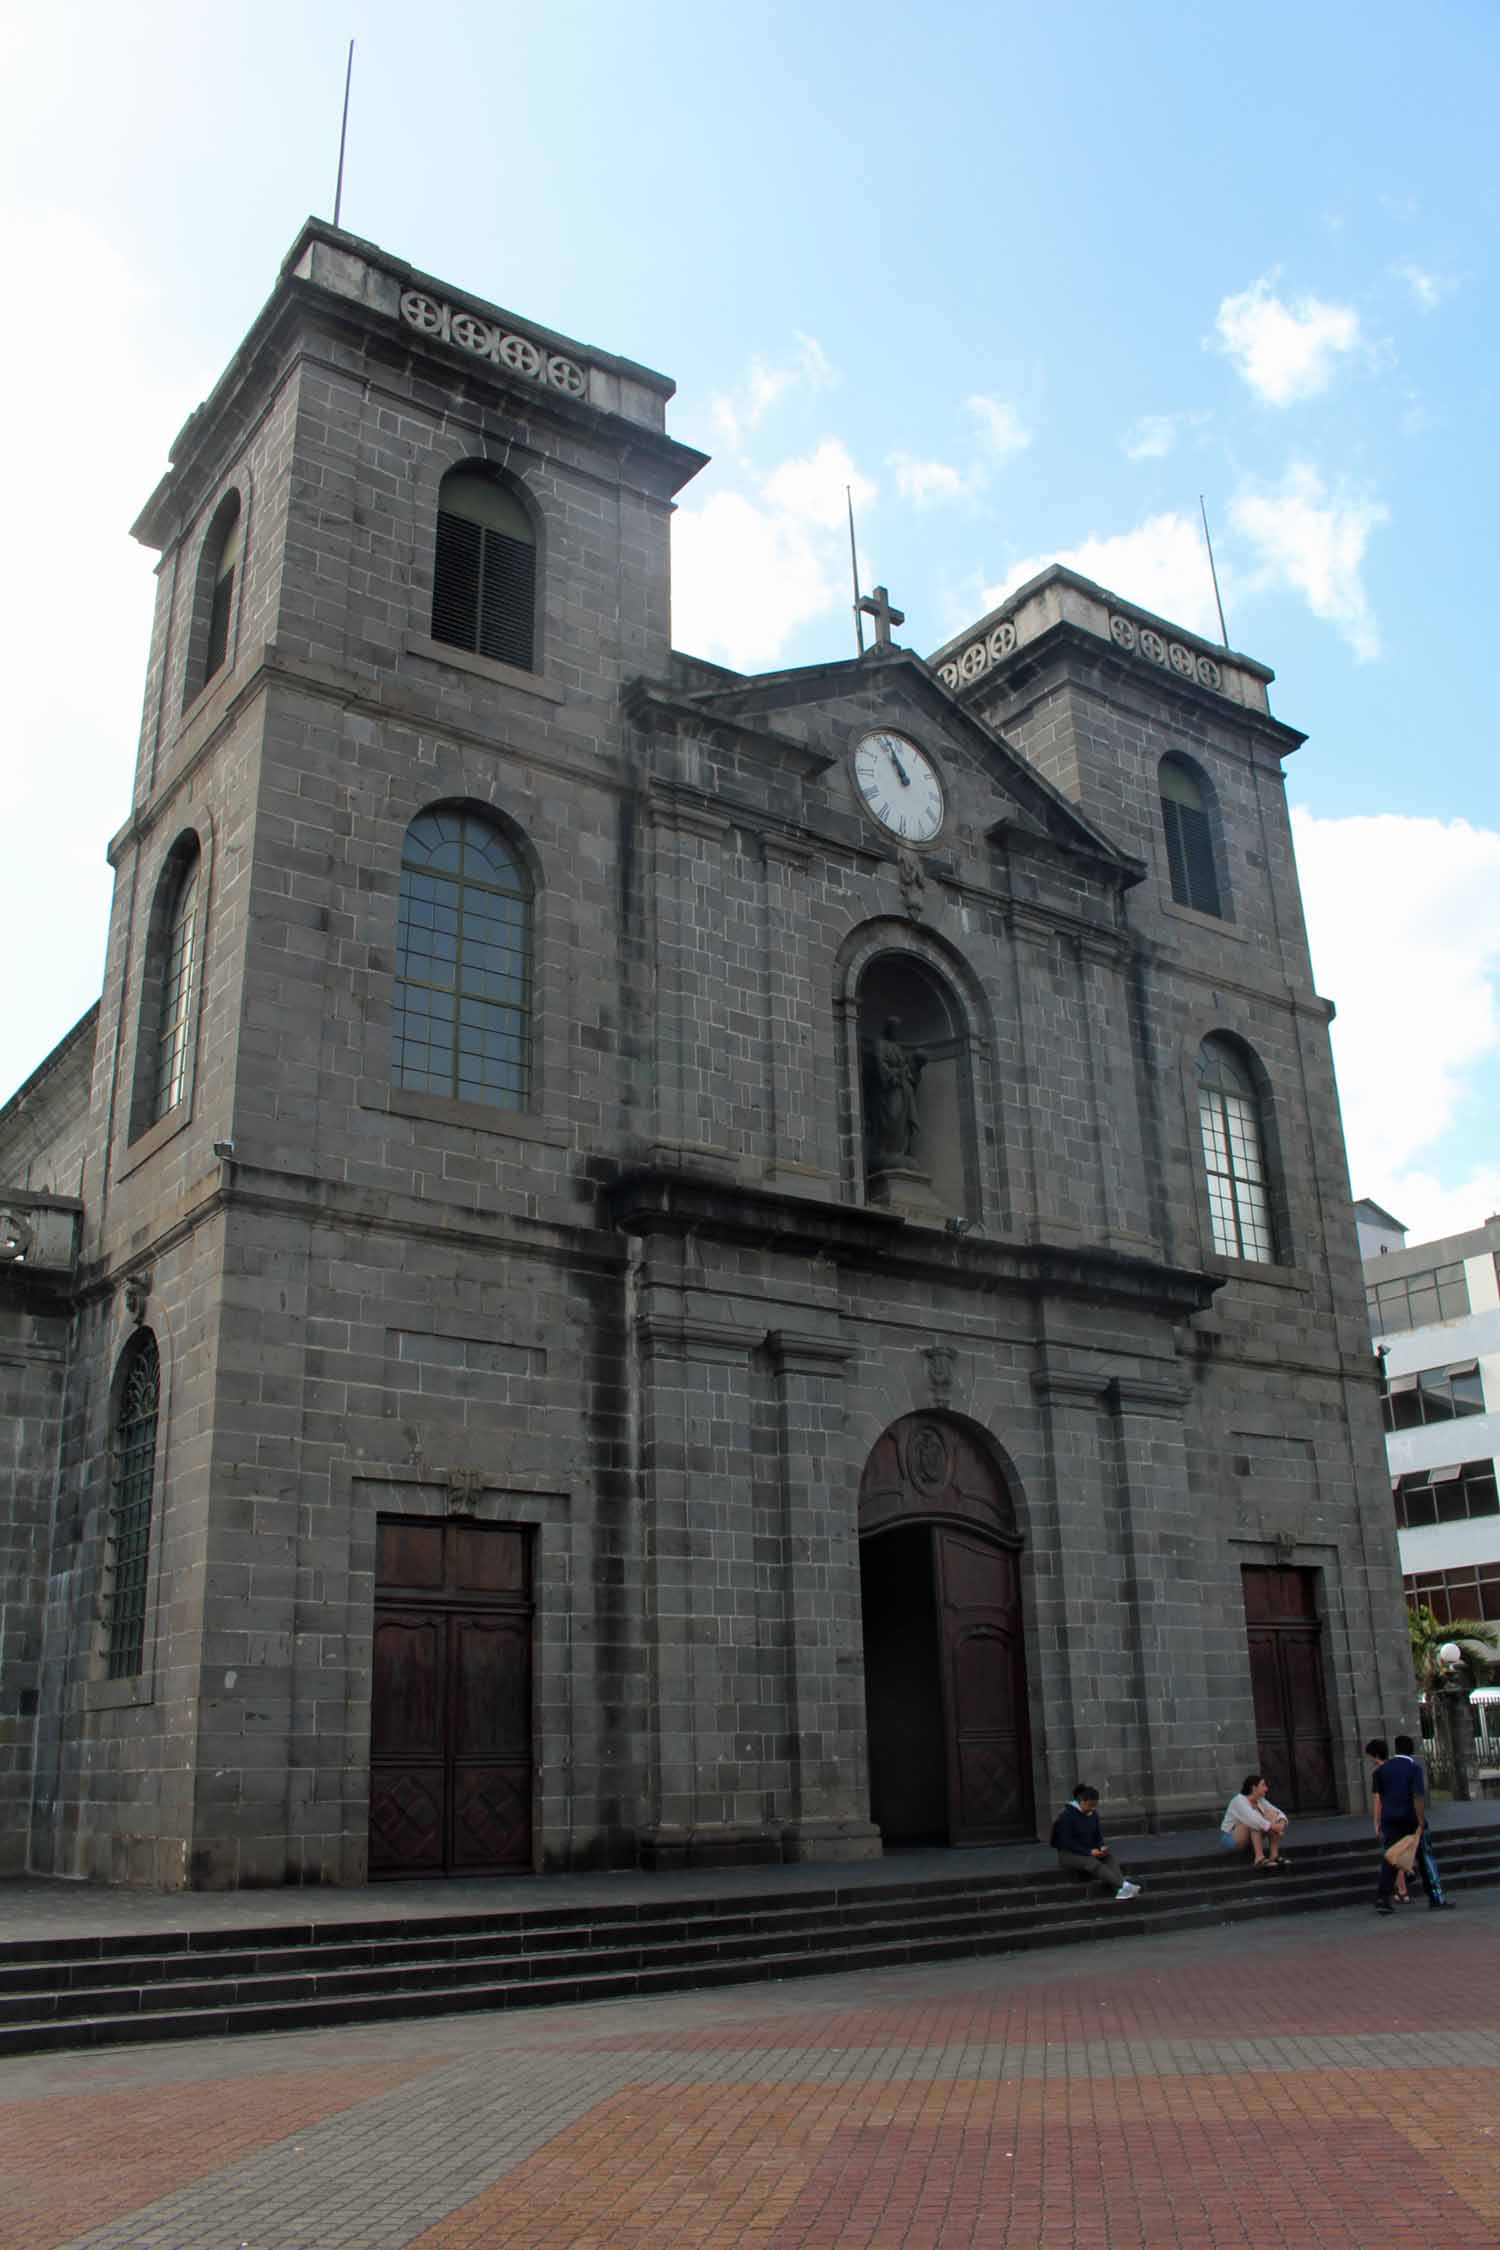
(208, 1982)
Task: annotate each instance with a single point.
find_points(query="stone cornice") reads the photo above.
(329, 275)
(646, 702)
(1022, 673)
(647, 1201)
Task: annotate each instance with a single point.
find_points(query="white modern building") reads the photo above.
(1435, 1318)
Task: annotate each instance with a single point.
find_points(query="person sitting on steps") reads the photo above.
(1251, 1818)
(1078, 1841)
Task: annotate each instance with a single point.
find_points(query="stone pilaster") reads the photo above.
(829, 1796)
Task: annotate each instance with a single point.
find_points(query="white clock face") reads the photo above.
(899, 783)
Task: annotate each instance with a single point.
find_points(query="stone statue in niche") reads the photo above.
(897, 1073)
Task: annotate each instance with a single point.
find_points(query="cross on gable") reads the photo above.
(878, 606)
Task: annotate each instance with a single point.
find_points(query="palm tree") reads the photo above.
(1479, 1642)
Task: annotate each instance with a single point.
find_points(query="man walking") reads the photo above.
(1078, 1841)
(1398, 1806)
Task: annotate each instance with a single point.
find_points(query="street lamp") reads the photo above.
(1453, 1702)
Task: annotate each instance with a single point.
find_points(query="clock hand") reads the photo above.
(896, 762)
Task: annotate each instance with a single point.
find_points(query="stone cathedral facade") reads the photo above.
(640, 1266)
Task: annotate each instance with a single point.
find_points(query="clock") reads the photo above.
(900, 786)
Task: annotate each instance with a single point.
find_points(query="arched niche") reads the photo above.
(916, 1090)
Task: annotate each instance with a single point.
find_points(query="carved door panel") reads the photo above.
(1294, 1741)
(490, 1742)
(408, 1786)
(451, 1765)
(984, 1684)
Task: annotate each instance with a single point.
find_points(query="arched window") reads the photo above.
(1234, 1157)
(213, 600)
(132, 1476)
(484, 569)
(1189, 834)
(463, 962)
(172, 964)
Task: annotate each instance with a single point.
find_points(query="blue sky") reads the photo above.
(1029, 280)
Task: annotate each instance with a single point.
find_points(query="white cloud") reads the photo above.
(1154, 435)
(930, 484)
(1284, 351)
(1428, 288)
(73, 704)
(1313, 542)
(1431, 1207)
(1403, 917)
(1161, 565)
(812, 491)
(804, 366)
(748, 573)
(1000, 427)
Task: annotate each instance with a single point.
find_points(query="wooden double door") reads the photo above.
(451, 1767)
(1293, 1738)
(945, 1658)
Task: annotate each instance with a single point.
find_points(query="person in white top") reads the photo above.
(1251, 1818)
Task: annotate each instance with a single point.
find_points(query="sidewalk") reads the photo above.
(36, 1906)
(1291, 2085)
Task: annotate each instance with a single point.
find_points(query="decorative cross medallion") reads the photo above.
(878, 606)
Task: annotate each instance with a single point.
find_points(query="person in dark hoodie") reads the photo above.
(1079, 1843)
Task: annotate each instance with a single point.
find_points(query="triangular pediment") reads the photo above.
(813, 716)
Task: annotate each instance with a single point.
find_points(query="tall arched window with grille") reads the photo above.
(173, 965)
(462, 1023)
(132, 1481)
(1234, 1155)
(484, 568)
(1188, 827)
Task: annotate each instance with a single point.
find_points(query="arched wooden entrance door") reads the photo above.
(945, 1659)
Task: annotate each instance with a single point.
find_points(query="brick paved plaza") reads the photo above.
(1230, 2088)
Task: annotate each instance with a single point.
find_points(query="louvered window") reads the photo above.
(175, 995)
(463, 963)
(1190, 847)
(1233, 1156)
(133, 1473)
(484, 570)
(219, 571)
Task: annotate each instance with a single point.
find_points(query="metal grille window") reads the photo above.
(1436, 1394)
(1417, 1300)
(1233, 1156)
(1452, 1494)
(484, 570)
(1190, 848)
(133, 1473)
(463, 963)
(175, 996)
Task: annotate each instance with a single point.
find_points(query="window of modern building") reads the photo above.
(132, 1476)
(1234, 1158)
(1417, 1300)
(173, 997)
(1472, 1591)
(463, 962)
(1189, 833)
(484, 569)
(1452, 1494)
(1436, 1394)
